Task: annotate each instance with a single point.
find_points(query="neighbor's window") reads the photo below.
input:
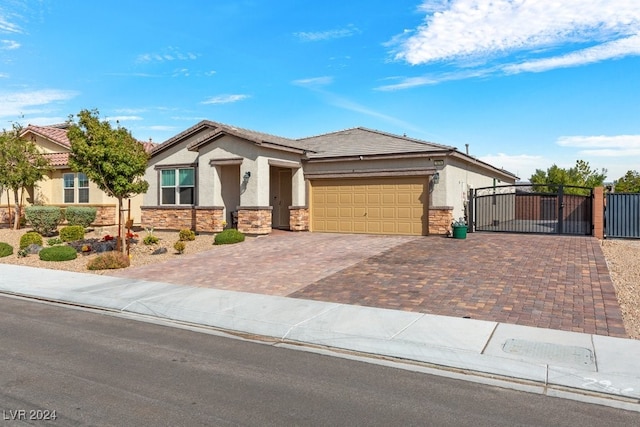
(177, 186)
(73, 182)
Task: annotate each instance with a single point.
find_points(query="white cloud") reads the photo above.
(314, 81)
(9, 44)
(124, 118)
(160, 128)
(432, 79)
(225, 99)
(314, 36)
(6, 26)
(44, 121)
(4, 75)
(603, 145)
(477, 31)
(523, 165)
(130, 110)
(16, 104)
(610, 50)
(172, 54)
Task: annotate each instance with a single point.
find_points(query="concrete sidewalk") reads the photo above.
(589, 367)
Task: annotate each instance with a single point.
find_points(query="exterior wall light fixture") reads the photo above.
(436, 178)
(246, 176)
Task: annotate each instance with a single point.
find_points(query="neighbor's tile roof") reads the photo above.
(57, 159)
(55, 133)
(362, 141)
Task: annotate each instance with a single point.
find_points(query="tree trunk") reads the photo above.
(121, 235)
(17, 213)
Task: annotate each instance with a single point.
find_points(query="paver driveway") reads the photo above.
(557, 282)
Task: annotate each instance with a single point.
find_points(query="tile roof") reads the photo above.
(148, 146)
(54, 133)
(57, 159)
(362, 141)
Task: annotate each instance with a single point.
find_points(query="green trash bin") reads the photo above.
(459, 231)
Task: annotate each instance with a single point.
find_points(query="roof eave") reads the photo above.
(390, 156)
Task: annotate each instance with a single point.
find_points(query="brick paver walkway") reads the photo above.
(557, 282)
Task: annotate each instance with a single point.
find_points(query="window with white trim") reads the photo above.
(177, 186)
(75, 188)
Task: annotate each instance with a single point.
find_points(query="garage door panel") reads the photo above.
(404, 213)
(360, 198)
(372, 205)
(373, 199)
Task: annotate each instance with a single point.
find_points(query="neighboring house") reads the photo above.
(64, 187)
(357, 180)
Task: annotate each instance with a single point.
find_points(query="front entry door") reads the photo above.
(281, 197)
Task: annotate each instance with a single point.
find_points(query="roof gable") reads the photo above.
(213, 130)
(55, 133)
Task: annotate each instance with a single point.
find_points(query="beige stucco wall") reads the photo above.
(458, 177)
(255, 160)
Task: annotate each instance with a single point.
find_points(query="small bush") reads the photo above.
(58, 253)
(150, 239)
(179, 246)
(72, 233)
(30, 238)
(23, 253)
(109, 261)
(228, 236)
(80, 215)
(186, 234)
(54, 241)
(5, 249)
(43, 219)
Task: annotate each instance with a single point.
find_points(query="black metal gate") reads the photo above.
(622, 215)
(529, 208)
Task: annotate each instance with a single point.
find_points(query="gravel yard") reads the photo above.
(622, 259)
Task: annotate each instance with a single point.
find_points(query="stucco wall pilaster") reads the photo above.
(298, 188)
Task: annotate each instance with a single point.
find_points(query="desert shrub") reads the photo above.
(80, 215)
(228, 236)
(58, 253)
(109, 261)
(150, 239)
(43, 219)
(179, 246)
(71, 233)
(54, 241)
(5, 249)
(186, 234)
(30, 238)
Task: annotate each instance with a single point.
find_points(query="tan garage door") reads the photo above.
(371, 205)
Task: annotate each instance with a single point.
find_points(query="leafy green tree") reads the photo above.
(629, 183)
(110, 157)
(581, 175)
(21, 166)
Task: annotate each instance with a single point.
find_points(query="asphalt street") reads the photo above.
(94, 368)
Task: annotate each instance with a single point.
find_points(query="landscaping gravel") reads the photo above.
(622, 259)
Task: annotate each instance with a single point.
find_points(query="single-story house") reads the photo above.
(358, 180)
(63, 187)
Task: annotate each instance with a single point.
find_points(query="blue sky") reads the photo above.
(526, 83)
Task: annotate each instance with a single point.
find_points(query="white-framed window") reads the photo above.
(177, 186)
(75, 188)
